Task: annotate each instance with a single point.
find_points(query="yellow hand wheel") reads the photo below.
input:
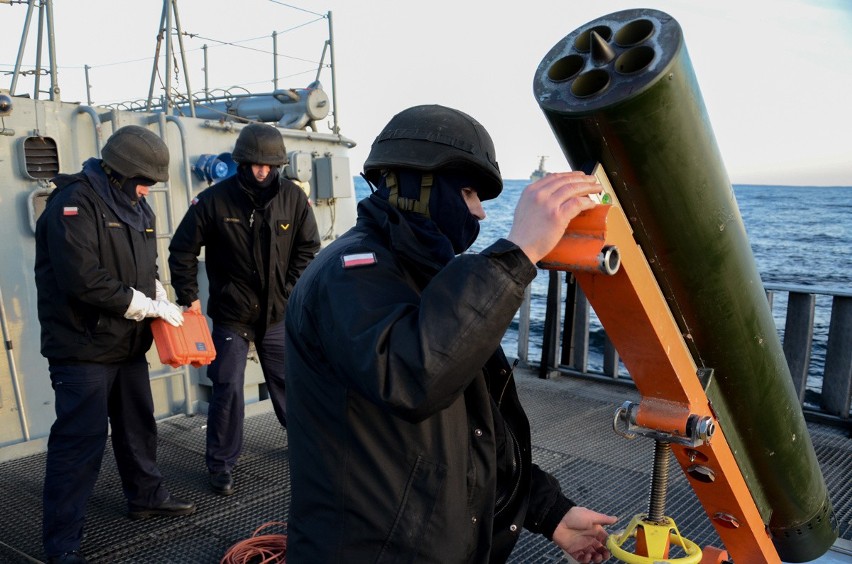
(658, 538)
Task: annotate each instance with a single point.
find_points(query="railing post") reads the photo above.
(610, 358)
(798, 335)
(580, 341)
(575, 327)
(837, 379)
(550, 342)
(568, 326)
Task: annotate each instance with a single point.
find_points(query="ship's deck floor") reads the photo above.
(572, 436)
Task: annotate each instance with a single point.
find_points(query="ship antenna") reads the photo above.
(45, 18)
(336, 127)
(170, 13)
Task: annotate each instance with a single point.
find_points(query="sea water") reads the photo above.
(799, 235)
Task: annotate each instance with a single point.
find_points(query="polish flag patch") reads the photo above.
(359, 259)
(70, 210)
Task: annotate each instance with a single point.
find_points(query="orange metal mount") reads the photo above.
(638, 321)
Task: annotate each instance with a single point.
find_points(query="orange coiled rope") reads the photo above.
(259, 549)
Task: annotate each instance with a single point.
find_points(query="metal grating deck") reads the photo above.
(572, 437)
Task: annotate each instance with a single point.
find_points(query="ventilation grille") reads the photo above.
(40, 158)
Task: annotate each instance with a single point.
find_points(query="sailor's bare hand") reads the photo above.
(581, 534)
(545, 208)
(195, 306)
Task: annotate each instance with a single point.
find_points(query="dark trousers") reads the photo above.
(88, 396)
(227, 404)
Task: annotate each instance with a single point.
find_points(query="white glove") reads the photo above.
(161, 291)
(141, 306)
(168, 311)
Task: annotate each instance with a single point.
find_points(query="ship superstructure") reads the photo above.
(41, 135)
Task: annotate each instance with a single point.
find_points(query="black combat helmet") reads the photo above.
(430, 138)
(133, 151)
(259, 143)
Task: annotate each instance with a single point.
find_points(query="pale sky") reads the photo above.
(774, 74)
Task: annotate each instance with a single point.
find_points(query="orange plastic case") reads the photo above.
(189, 344)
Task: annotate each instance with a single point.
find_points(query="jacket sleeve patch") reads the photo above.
(358, 259)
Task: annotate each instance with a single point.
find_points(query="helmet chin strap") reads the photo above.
(126, 186)
(439, 199)
(417, 205)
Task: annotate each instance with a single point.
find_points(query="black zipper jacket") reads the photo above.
(87, 259)
(408, 442)
(255, 252)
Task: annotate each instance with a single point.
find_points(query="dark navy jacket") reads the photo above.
(254, 252)
(87, 259)
(407, 439)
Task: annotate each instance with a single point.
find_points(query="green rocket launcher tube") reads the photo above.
(620, 90)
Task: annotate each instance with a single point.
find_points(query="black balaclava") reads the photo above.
(448, 219)
(127, 186)
(259, 191)
(113, 189)
(449, 211)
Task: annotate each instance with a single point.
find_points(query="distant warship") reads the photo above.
(539, 172)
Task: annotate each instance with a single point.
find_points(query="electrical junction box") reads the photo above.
(299, 166)
(332, 178)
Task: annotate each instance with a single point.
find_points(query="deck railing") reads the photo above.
(815, 326)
